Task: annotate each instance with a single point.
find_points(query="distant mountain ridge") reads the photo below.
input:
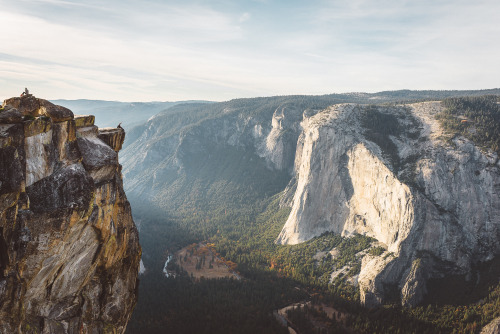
(154, 163)
(110, 113)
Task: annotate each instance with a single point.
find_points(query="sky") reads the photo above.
(153, 50)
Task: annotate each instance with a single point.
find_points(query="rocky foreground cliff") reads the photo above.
(69, 249)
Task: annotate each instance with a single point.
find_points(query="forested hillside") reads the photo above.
(208, 173)
(476, 118)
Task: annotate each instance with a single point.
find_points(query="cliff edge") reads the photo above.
(69, 249)
(389, 173)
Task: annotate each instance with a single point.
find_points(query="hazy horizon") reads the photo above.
(255, 97)
(219, 50)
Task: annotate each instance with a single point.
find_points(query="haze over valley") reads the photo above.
(249, 167)
(349, 182)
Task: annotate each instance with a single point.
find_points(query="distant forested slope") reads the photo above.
(209, 172)
(476, 118)
(199, 152)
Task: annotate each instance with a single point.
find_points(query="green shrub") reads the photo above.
(28, 118)
(376, 251)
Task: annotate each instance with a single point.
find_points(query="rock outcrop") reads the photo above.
(69, 249)
(114, 137)
(435, 205)
(492, 328)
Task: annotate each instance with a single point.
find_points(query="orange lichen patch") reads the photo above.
(84, 120)
(107, 217)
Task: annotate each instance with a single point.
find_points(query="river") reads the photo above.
(165, 271)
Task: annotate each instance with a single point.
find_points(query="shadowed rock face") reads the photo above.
(69, 249)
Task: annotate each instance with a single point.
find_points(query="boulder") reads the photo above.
(10, 116)
(98, 158)
(82, 121)
(88, 131)
(114, 137)
(29, 105)
(55, 112)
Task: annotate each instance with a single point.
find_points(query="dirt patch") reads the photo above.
(427, 112)
(201, 260)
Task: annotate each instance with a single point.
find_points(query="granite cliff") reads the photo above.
(389, 173)
(188, 154)
(69, 249)
(430, 201)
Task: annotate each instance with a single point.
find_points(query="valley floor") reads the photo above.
(201, 260)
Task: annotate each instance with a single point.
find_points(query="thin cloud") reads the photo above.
(160, 50)
(61, 3)
(245, 17)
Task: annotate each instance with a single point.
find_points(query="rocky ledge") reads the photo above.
(69, 249)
